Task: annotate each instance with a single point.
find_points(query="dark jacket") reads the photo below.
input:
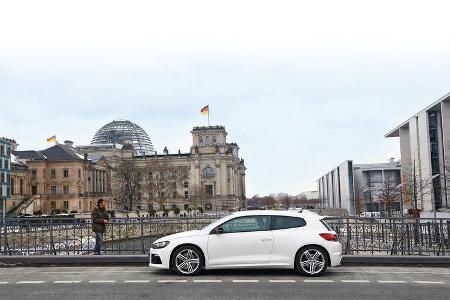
(99, 215)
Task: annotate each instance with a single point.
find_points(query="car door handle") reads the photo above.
(266, 240)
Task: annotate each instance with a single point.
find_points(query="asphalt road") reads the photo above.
(143, 283)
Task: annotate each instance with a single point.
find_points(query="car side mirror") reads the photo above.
(218, 230)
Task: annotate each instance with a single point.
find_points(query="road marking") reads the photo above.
(391, 281)
(317, 280)
(29, 282)
(67, 281)
(355, 281)
(281, 281)
(207, 280)
(137, 281)
(429, 282)
(102, 281)
(245, 280)
(3, 282)
(167, 281)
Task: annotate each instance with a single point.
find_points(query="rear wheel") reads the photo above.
(311, 261)
(187, 260)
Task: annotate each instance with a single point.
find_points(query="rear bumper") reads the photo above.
(335, 252)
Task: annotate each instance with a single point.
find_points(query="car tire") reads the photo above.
(187, 261)
(311, 261)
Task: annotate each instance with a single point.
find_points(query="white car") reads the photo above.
(249, 239)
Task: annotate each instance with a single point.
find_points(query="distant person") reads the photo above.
(99, 219)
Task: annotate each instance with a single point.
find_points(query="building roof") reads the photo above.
(57, 152)
(395, 132)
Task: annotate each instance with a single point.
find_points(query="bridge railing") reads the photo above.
(69, 236)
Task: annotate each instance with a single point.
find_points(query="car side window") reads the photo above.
(281, 222)
(247, 224)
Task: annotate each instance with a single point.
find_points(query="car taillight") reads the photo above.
(329, 236)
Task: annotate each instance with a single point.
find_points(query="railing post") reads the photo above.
(142, 235)
(52, 246)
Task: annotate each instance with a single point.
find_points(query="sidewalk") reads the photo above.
(113, 260)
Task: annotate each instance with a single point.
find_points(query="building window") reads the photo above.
(1, 163)
(2, 177)
(33, 173)
(21, 186)
(34, 190)
(207, 139)
(174, 195)
(79, 174)
(79, 204)
(214, 140)
(53, 205)
(208, 172)
(12, 186)
(8, 178)
(66, 204)
(2, 149)
(66, 189)
(186, 194)
(53, 173)
(209, 190)
(53, 190)
(186, 184)
(6, 164)
(66, 173)
(200, 139)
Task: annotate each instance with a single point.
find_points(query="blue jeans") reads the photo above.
(98, 241)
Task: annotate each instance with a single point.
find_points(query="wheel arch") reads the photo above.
(315, 245)
(183, 245)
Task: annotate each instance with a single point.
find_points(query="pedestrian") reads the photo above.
(99, 220)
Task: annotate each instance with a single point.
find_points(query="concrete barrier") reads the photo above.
(142, 260)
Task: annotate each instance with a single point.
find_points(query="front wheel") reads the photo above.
(311, 261)
(187, 260)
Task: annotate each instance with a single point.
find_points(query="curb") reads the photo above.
(142, 260)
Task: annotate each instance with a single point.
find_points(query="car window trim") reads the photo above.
(268, 216)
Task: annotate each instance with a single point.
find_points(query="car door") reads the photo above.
(242, 241)
(288, 234)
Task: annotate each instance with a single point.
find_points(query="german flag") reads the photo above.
(205, 110)
(52, 139)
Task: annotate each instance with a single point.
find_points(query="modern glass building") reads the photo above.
(425, 155)
(5, 172)
(123, 131)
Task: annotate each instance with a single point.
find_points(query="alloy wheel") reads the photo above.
(187, 261)
(312, 261)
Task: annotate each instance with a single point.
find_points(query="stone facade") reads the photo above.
(62, 180)
(215, 175)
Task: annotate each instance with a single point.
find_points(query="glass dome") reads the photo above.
(117, 132)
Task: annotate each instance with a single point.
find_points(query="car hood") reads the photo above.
(184, 234)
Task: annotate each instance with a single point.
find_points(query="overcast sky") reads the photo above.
(299, 85)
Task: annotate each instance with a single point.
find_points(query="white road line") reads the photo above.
(281, 281)
(67, 281)
(137, 281)
(245, 280)
(207, 280)
(391, 281)
(355, 281)
(102, 281)
(29, 282)
(3, 282)
(167, 281)
(429, 282)
(317, 280)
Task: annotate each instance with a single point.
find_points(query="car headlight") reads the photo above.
(160, 245)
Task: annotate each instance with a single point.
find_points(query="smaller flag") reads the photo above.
(52, 139)
(205, 110)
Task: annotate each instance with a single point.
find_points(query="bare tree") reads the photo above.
(388, 195)
(162, 179)
(128, 183)
(268, 201)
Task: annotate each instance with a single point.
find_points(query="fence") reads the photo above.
(62, 236)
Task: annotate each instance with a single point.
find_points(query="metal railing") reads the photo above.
(68, 236)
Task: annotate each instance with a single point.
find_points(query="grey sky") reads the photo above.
(299, 86)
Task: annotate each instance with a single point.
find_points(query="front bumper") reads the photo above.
(159, 258)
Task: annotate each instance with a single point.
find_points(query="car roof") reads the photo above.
(290, 213)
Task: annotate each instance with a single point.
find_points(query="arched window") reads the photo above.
(208, 172)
